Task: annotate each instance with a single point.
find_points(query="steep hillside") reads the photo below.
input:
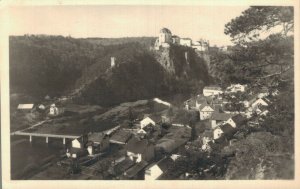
(56, 65)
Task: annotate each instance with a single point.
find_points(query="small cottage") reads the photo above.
(150, 119)
(25, 107)
(236, 120)
(97, 142)
(234, 88)
(219, 118)
(120, 137)
(156, 170)
(225, 130)
(212, 91)
(140, 149)
(186, 42)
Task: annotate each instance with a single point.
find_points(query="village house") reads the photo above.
(136, 172)
(224, 130)
(55, 111)
(120, 137)
(186, 42)
(25, 107)
(97, 142)
(219, 118)
(212, 91)
(120, 165)
(175, 138)
(150, 119)
(175, 39)
(156, 170)
(260, 102)
(236, 120)
(77, 147)
(233, 88)
(139, 149)
(205, 111)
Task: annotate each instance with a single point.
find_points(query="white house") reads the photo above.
(156, 170)
(186, 42)
(150, 119)
(76, 143)
(205, 111)
(146, 121)
(236, 88)
(260, 102)
(53, 110)
(212, 90)
(27, 107)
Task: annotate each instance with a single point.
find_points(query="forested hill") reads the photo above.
(55, 65)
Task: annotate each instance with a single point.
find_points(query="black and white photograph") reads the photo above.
(150, 92)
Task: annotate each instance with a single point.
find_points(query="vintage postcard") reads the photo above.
(149, 94)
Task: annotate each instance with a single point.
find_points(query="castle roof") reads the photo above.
(165, 30)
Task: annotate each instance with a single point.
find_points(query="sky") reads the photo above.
(196, 22)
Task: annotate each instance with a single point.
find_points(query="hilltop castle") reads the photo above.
(165, 38)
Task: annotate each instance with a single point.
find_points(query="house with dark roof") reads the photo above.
(156, 170)
(140, 149)
(219, 118)
(120, 167)
(236, 120)
(176, 137)
(136, 172)
(150, 119)
(224, 130)
(97, 142)
(120, 137)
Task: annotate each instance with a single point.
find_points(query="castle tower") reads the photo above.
(112, 62)
(165, 36)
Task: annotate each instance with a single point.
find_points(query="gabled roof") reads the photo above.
(25, 106)
(212, 87)
(201, 99)
(238, 119)
(134, 170)
(227, 128)
(165, 163)
(207, 133)
(123, 166)
(203, 106)
(165, 30)
(120, 137)
(156, 118)
(96, 137)
(221, 116)
(137, 146)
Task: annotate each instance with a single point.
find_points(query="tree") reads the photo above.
(268, 60)
(260, 18)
